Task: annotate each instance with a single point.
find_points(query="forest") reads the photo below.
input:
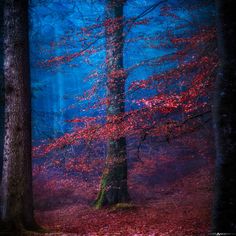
(117, 117)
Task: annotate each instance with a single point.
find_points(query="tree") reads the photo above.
(114, 180)
(169, 101)
(17, 202)
(224, 217)
(1, 89)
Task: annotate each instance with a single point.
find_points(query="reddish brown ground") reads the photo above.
(180, 206)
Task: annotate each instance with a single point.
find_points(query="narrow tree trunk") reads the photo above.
(224, 217)
(1, 96)
(17, 203)
(114, 180)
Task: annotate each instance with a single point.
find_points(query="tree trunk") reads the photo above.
(17, 202)
(1, 89)
(1, 95)
(224, 215)
(113, 187)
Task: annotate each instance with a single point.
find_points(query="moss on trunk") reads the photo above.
(113, 187)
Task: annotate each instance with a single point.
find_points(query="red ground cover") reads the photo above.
(178, 203)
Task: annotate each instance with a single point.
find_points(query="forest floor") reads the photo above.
(177, 204)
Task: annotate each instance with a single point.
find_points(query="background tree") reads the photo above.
(224, 217)
(16, 187)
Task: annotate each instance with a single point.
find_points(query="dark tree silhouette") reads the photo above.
(17, 202)
(224, 216)
(114, 180)
(1, 89)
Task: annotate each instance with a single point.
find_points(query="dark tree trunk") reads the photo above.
(17, 202)
(114, 188)
(224, 216)
(1, 97)
(1, 90)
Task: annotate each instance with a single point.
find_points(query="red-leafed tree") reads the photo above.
(181, 102)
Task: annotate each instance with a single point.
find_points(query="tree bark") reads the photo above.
(17, 202)
(224, 215)
(1, 89)
(113, 187)
(1, 96)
